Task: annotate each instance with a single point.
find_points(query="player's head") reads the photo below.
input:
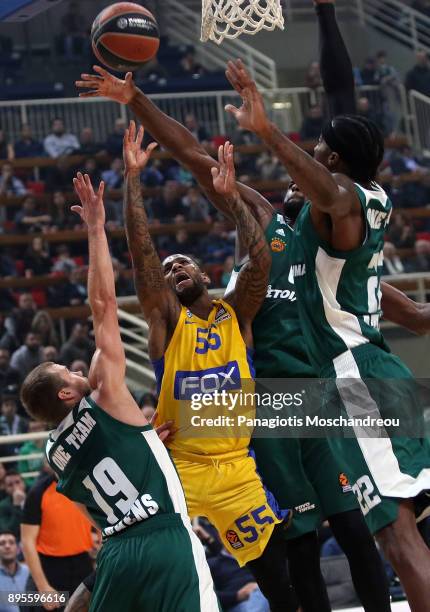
(50, 392)
(293, 202)
(352, 145)
(185, 277)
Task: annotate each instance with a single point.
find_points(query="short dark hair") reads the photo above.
(358, 142)
(12, 472)
(7, 532)
(39, 393)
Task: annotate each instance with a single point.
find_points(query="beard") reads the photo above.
(191, 294)
(292, 209)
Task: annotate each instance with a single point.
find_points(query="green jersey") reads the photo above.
(121, 473)
(339, 295)
(280, 350)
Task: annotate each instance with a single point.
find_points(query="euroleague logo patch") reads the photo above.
(344, 483)
(277, 245)
(233, 539)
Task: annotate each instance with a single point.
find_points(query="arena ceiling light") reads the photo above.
(22, 10)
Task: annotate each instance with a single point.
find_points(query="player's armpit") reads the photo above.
(399, 308)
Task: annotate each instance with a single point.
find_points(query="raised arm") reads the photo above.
(107, 370)
(314, 179)
(170, 134)
(399, 308)
(252, 281)
(159, 304)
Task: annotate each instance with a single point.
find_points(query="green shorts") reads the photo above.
(383, 467)
(304, 475)
(158, 565)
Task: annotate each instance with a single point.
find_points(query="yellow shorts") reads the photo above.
(232, 497)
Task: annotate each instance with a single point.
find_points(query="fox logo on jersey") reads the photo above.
(226, 377)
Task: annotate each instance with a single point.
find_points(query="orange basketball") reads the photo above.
(125, 36)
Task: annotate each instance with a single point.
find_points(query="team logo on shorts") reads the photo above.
(122, 23)
(344, 483)
(233, 539)
(277, 245)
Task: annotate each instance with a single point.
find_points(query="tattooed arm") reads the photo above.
(159, 304)
(251, 285)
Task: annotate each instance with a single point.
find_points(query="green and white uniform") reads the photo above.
(151, 559)
(339, 300)
(303, 473)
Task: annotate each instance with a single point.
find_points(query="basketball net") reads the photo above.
(230, 18)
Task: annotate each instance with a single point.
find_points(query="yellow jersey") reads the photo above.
(206, 360)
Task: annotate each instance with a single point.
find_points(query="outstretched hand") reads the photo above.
(107, 85)
(136, 158)
(92, 211)
(252, 114)
(224, 177)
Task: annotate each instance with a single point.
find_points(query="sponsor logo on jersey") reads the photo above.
(277, 245)
(222, 314)
(378, 219)
(233, 539)
(282, 294)
(188, 383)
(280, 219)
(280, 232)
(189, 314)
(306, 507)
(298, 270)
(344, 483)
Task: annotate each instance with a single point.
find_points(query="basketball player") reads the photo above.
(337, 256)
(111, 462)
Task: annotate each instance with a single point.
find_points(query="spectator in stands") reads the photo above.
(6, 148)
(312, 124)
(401, 231)
(153, 71)
(182, 243)
(79, 346)
(56, 538)
(152, 175)
(36, 260)
(313, 76)
(217, 245)
(169, 205)
(269, 168)
(29, 218)
(11, 506)
(368, 72)
(388, 79)
(197, 130)
(29, 448)
(235, 587)
(114, 177)
(3, 493)
(123, 286)
(59, 142)
(88, 145)
(27, 146)
(7, 266)
(28, 356)
(408, 193)
(91, 168)
(11, 423)
(189, 65)
(20, 319)
(148, 405)
(422, 261)
(10, 185)
(43, 326)
(227, 270)
(196, 207)
(418, 78)
(59, 178)
(114, 141)
(392, 262)
(13, 575)
(365, 109)
(73, 292)
(9, 376)
(62, 217)
(50, 353)
(80, 366)
(64, 263)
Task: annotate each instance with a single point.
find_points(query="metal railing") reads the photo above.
(420, 112)
(287, 107)
(185, 29)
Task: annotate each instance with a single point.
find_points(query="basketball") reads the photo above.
(124, 36)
